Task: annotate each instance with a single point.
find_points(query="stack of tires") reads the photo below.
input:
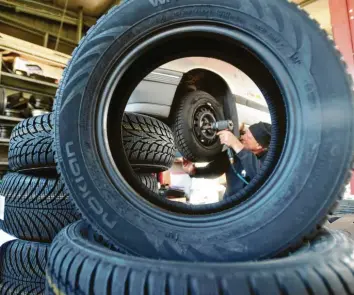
(142, 244)
(36, 207)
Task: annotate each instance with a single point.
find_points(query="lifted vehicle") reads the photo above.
(192, 92)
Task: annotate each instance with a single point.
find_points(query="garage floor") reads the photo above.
(345, 224)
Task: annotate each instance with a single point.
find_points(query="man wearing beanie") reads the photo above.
(250, 154)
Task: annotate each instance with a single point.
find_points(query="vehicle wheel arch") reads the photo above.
(212, 83)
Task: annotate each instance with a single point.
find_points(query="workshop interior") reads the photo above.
(164, 147)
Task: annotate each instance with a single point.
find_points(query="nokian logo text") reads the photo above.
(156, 3)
(85, 193)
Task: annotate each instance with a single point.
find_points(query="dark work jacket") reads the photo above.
(244, 161)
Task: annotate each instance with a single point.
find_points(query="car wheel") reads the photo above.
(196, 111)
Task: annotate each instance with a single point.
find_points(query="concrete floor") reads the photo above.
(344, 223)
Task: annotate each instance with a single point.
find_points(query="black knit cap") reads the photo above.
(262, 133)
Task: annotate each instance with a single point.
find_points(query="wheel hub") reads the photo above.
(203, 118)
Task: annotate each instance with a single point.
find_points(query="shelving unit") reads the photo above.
(52, 64)
(4, 141)
(10, 119)
(27, 84)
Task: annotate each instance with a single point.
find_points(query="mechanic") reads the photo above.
(250, 153)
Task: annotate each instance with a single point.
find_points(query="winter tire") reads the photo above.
(22, 267)
(13, 288)
(150, 181)
(196, 110)
(36, 208)
(31, 144)
(323, 266)
(148, 143)
(284, 52)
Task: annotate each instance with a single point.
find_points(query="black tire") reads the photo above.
(187, 141)
(36, 208)
(22, 267)
(299, 94)
(148, 143)
(324, 266)
(150, 181)
(31, 144)
(13, 288)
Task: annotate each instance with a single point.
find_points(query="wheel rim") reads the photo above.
(203, 118)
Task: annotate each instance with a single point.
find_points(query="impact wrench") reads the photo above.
(227, 125)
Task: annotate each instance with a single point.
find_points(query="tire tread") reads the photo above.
(149, 181)
(147, 142)
(31, 144)
(140, 278)
(36, 208)
(24, 262)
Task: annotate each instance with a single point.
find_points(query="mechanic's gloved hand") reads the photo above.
(188, 167)
(229, 139)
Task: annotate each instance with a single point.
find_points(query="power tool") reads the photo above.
(225, 125)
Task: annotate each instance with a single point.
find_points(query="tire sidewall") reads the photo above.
(322, 250)
(97, 197)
